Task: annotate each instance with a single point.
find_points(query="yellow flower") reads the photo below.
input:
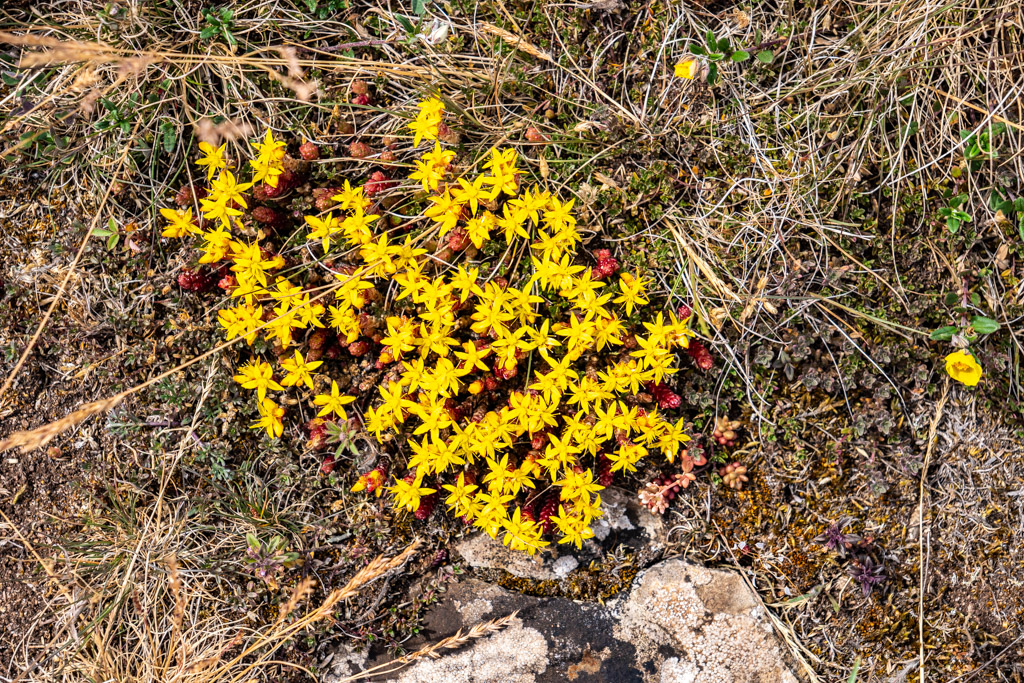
(299, 371)
(408, 495)
(333, 402)
(268, 164)
(241, 321)
(180, 222)
(429, 176)
(216, 246)
(963, 367)
(257, 375)
(212, 159)
(687, 69)
(270, 418)
(424, 127)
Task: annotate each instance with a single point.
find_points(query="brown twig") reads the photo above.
(932, 429)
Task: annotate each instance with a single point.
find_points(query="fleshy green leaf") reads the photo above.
(984, 325)
(740, 56)
(765, 56)
(943, 333)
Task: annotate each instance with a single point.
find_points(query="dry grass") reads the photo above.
(139, 602)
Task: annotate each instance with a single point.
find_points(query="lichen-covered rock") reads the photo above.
(483, 552)
(712, 622)
(515, 654)
(679, 623)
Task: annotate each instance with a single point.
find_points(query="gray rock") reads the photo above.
(515, 654)
(564, 565)
(713, 624)
(679, 623)
(341, 664)
(483, 552)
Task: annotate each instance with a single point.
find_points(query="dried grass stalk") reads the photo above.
(281, 632)
(452, 642)
(304, 588)
(517, 42)
(40, 436)
(377, 567)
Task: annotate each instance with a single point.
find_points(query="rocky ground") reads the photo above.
(799, 205)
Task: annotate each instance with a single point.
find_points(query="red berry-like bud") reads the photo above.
(490, 383)
(317, 428)
(309, 151)
(319, 339)
(189, 195)
(534, 135)
(322, 197)
(359, 150)
(666, 398)
(426, 507)
(266, 215)
(458, 239)
(605, 476)
(503, 374)
(453, 409)
(685, 312)
(360, 87)
(528, 511)
(198, 280)
(359, 348)
(377, 183)
(388, 156)
(548, 509)
(333, 352)
(271, 192)
(447, 134)
(288, 180)
(228, 283)
(608, 266)
(362, 100)
(259, 193)
(328, 465)
(700, 355)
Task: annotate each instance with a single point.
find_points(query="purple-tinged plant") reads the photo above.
(868, 574)
(836, 539)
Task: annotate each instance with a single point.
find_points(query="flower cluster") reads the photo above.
(504, 399)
